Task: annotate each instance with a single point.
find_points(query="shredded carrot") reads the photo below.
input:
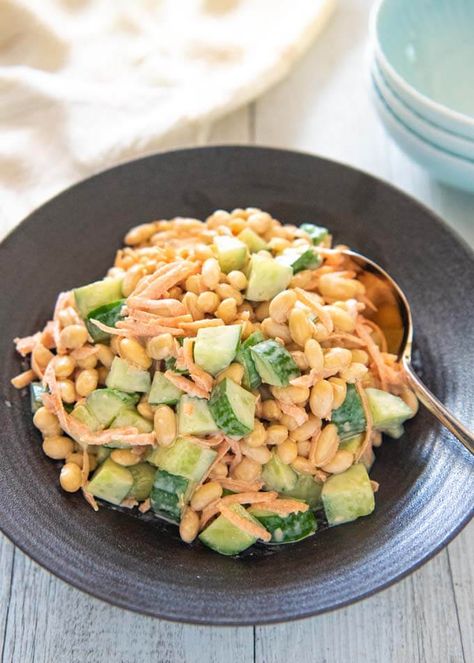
(299, 414)
(186, 385)
(307, 380)
(23, 379)
(145, 506)
(109, 330)
(47, 335)
(239, 486)
(286, 506)
(317, 308)
(84, 352)
(368, 418)
(90, 499)
(373, 351)
(374, 485)
(27, 344)
(137, 328)
(250, 497)
(345, 336)
(201, 378)
(257, 531)
(200, 324)
(164, 307)
(379, 332)
(173, 274)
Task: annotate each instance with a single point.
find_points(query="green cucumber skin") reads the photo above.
(251, 379)
(36, 391)
(109, 315)
(168, 494)
(290, 528)
(317, 233)
(350, 417)
(307, 260)
(274, 363)
(222, 410)
(170, 365)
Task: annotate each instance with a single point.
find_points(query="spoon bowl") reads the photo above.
(393, 315)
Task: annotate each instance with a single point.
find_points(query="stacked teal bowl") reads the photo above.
(422, 82)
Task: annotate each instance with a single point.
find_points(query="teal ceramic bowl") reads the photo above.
(442, 165)
(446, 140)
(425, 50)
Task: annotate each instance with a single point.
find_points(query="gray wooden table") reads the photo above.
(323, 107)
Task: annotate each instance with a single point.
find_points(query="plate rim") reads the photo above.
(21, 228)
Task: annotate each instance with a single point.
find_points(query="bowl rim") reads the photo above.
(398, 106)
(434, 106)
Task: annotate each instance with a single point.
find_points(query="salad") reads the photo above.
(225, 376)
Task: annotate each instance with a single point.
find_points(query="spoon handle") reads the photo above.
(435, 406)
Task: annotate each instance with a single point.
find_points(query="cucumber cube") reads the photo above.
(226, 538)
(274, 363)
(267, 278)
(278, 476)
(388, 411)
(254, 242)
(231, 253)
(130, 417)
(82, 413)
(350, 416)
(169, 494)
(36, 391)
(163, 392)
(251, 378)
(96, 294)
(215, 347)
(105, 404)
(111, 482)
(348, 495)
(143, 477)
(126, 377)
(286, 529)
(184, 458)
(306, 489)
(233, 408)
(194, 417)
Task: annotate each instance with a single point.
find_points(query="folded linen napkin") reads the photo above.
(86, 84)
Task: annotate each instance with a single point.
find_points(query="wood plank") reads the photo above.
(414, 621)
(461, 560)
(7, 553)
(50, 621)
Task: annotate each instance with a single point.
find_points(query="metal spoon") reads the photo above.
(393, 316)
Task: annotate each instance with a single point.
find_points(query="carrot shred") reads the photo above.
(257, 531)
(200, 324)
(90, 499)
(201, 378)
(373, 351)
(238, 486)
(164, 307)
(317, 308)
(109, 330)
(286, 506)
(84, 352)
(250, 497)
(27, 344)
(145, 506)
(186, 385)
(307, 380)
(299, 414)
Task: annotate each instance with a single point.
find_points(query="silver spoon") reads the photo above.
(393, 316)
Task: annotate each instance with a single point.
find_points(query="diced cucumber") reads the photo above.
(348, 495)
(306, 489)
(350, 417)
(352, 444)
(274, 363)
(130, 417)
(278, 476)
(111, 482)
(233, 408)
(395, 433)
(299, 259)
(36, 392)
(388, 411)
(254, 242)
(194, 417)
(108, 314)
(215, 347)
(163, 392)
(184, 458)
(286, 529)
(105, 404)
(143, 477)
(99, 293)
(226, 538)
(102, 453)
(267, 278)
(251, 379)
(169, 495)
(126, 377)
(317, 233)
(231, 253)
(82, 413)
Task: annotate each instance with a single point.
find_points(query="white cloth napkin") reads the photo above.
(86, 84)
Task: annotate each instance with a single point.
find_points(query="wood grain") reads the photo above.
(321, 107)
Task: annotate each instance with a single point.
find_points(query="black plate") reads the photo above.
(426, 482)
